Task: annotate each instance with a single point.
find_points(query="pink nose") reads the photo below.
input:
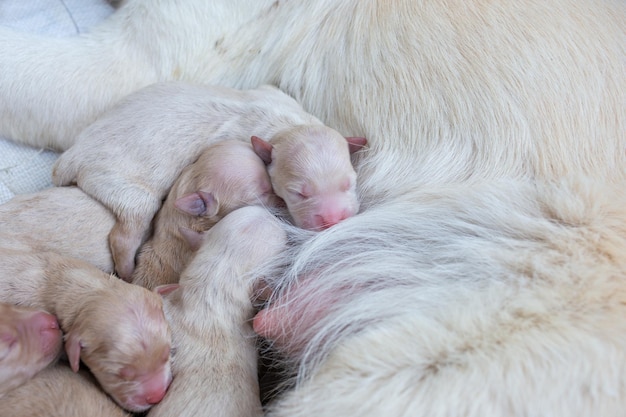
(155, 396)
(155, 389)
(48, 328)
(330, 218)
(44, 321)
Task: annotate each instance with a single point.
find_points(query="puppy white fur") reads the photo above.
(311, 171)
(129, 158)
(59, 392)
(30, 340)
(117, 329)
(60, 219)
(215, 359)
(227, 175)
(455, 98)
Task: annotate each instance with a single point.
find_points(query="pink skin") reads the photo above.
(29, 341)
(153, 388)
(36, 326)
(47, 327)
(288, 321)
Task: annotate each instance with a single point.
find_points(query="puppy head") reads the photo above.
(29, 341)
(123, 338)
(227, 176)
(311, 170)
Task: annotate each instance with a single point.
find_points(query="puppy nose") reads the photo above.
(45, 321)
(328, 219)
(155, 395)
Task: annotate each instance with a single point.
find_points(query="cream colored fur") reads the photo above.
(231, 173)
(61, 219)
(30, 340)
(117, 329)
(59, 392)
(129, 158)
(215, 359)
(471, 109)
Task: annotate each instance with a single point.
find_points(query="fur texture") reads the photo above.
(30, 340)
(59, 392)
(215, 359)
(227, 175)
(117, 329)
(477, 280)
(129, 159)
(61, 219)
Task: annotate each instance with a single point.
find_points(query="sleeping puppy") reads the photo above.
(117, 329)
(227, 175)
(154, 134)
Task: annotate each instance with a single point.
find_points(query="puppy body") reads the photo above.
(154, 134)
(117, 329)
(30, 340)
(215, 360)
(59, 392)
(59, 219)
(227, 175)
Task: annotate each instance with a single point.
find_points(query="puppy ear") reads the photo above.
(193, 238)
(166, 289)
(262, 148)
(73, 346)
(198, 204)
(356, 143)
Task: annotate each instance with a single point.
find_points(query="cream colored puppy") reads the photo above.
(215, 359)
(29, 341)
(227, 175)
(117, 329)
(60, 219)
(59, 392)
(311, 170)
(129, 158)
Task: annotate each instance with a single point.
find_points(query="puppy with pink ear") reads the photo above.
(228, 175)
(310, 168)
(118, 330)
(30, 340)
(154, 134)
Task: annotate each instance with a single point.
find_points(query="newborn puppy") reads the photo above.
(228, 175)
(117, 329)
(59, 219)
(155, 133)
(59, 392)
(215, 359)
(310, 169)
(29, 341)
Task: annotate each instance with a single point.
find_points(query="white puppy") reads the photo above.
(215, 359)
(311, 170)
